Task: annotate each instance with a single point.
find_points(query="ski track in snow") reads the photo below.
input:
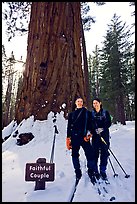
(116, 185)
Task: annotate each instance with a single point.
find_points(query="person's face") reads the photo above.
(96, 105)
(79, 103)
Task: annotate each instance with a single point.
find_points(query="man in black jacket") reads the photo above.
(78, 136)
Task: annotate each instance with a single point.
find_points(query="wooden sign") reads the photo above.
(40, 171)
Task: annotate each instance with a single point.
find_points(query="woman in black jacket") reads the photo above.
(78, 135)
(100, 139)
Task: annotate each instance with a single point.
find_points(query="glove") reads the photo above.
(68, 143)
(99, 130)
(87, 137)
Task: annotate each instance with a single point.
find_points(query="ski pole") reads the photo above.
(53, 146)
(102, 139)
(109, 158)
(112, 167)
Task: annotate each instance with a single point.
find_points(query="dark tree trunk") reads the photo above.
(53, 74)
(86, 72)
(120, 110)
(6, 115)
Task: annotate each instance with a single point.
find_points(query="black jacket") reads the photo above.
(79, 122)
(101, 119)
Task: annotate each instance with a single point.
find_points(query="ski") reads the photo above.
(100, 189)
(103, 191)
(74, 190)
(106, 182)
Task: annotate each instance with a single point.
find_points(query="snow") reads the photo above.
(15, 158)
(9, 129)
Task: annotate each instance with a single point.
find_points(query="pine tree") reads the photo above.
(9, 71)
(114, 70)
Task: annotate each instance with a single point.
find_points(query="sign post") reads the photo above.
(40, 172)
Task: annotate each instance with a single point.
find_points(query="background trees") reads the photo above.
(10, 79)
(113, 72)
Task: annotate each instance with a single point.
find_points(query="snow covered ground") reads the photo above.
(14, 159)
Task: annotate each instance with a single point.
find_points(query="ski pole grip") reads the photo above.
(56, 130)
(103, 140)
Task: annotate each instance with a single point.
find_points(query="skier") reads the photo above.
(79, 136)
(102, 121)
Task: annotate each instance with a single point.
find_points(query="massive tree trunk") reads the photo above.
(53, 75)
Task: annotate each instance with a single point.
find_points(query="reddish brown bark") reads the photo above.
(53, 74)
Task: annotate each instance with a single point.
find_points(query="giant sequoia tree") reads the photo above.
(53, 75)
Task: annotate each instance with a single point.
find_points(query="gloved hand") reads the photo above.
(87, 137)
(68, 143)
(99, 130)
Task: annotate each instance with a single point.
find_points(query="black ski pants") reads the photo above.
(100, 150)
(88, 150)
